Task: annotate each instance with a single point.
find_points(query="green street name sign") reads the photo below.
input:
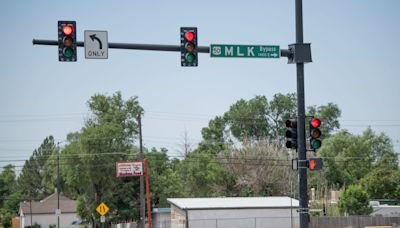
(245, 51)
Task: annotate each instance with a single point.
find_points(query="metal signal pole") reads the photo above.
(58, 188)
(301, 132)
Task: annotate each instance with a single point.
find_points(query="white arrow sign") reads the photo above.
(96, 44)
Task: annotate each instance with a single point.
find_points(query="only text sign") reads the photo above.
(96, 44)
(245, 51)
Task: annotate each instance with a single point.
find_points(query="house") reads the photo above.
(44, 212)
(234, 212)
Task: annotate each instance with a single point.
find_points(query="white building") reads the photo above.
(44, 212)
(234, 212)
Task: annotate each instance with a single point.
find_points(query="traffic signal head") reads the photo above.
(67, 41)
(189, 46)
(315, 163)
(291, 134)
(315, 134)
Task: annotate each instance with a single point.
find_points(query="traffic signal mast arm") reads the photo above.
(148, 47)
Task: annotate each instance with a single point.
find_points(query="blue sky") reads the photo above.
(354, 49)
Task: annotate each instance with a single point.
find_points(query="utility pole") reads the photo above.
(142, 203)
(58, 187)
(30, 209)
(301, 132)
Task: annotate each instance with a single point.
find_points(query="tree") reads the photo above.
(355, 201)
(247, 120)
(33, 173)
(185, 144)
(10, 196)
(350, 157)
(90, 157)
(252, 123)
(281, 108)
(7, 183)
(204, 176)
(260, 119)
(383, 182)
(260, 169)
(166, 180)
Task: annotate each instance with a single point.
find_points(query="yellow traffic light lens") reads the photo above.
(316, 133)
(189, 46)
(68, 41)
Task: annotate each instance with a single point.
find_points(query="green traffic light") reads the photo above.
(190, 57)
(315, 143)
(68, 52)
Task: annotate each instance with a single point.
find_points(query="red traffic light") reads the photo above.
(315, 163)
(188, 46)
(315, 123)
(67, 41)
(68, 30)
(189, 36)
(312, 164)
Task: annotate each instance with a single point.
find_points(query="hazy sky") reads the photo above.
(355, 49)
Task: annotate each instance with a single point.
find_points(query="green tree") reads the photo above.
(7, 183)
(281, 108)
(383, 182)
(33, 172)
(260, 119)
(166, 180)
(350, 157)
(203, 175)
(90, 157)
(247, 120)
(355, 201)
(256, 121)
(9, 195)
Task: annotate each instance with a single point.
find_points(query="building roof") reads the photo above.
(48, 205)
(234, 202)
(386, 211)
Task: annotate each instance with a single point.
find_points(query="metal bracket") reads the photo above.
(300, 53)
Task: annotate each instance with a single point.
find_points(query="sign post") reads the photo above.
(103, 219)
(129, 169)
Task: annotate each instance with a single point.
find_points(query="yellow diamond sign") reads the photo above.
(102, 209)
